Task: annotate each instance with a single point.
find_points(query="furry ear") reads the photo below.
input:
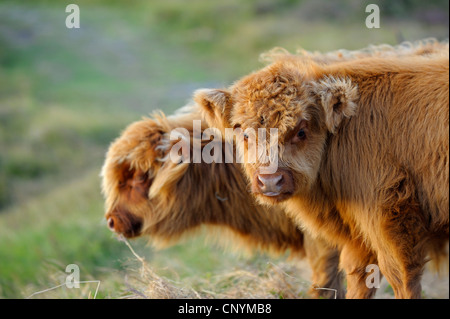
(138, 147)
(140, 144)
(215, 106)
(338, 98)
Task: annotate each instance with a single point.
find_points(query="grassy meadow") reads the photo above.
(65, 94)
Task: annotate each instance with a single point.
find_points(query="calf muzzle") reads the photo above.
(277, 185)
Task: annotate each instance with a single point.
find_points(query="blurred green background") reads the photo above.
(65, 94)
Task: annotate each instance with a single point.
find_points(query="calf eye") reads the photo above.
(301, 134)
(142, 177)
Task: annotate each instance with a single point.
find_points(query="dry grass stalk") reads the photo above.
(273, 282)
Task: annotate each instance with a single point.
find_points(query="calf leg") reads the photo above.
(355, 257)
(402, 253)
(324, 261)
(399, 235)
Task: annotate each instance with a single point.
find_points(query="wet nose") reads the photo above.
(270, 184)
(111, 223)
(125, 223)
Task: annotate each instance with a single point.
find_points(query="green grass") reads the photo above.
(65, 226)
(66, 94)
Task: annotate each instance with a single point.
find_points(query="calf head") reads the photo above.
(138, 181)
(303, 106)
(148, 190)
(127, 175)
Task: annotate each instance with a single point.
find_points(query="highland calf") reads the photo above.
(363, 156)
(149, 195)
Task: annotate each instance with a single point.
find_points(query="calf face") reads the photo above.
(304, 110)
(128, 173)
(133, 197)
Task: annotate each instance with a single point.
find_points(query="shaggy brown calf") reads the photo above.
(147, 194)
(363, 156)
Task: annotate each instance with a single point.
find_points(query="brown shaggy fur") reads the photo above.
(147, 194)
(365, 145)
(426, 47)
